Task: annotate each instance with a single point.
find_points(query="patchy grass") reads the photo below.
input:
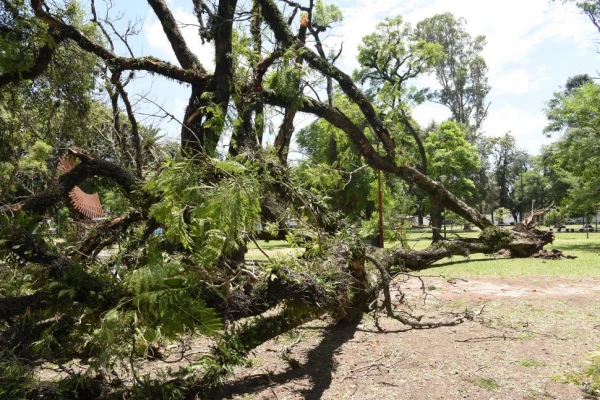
(487, 384)
(585, 265)
(530, 363)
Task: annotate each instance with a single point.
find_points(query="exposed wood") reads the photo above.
(88, 167)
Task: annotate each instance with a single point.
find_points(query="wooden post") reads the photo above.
(380, 206)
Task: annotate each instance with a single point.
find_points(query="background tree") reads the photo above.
(344, 181)
(450, 156)
(573, 112)
(389, 58)
(508, 163)
(462, 74)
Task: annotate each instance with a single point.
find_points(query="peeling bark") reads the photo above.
(88, 167)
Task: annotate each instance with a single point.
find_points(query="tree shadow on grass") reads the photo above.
(447, 263)
(589, 248)
(318, 368)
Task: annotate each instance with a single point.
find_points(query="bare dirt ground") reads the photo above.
(525, 335)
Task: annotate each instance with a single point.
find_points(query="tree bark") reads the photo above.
(286, 130)
(89, 166)
(11, 307)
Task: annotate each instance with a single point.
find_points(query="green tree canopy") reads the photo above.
(462, 73)
(449, 154)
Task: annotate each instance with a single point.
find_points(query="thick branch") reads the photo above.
(20, 305)
(184, 55)
(286, 130)
(40, 63)
(281, 285)
(88, 167)
(420, 259)
(283, 34)
(137, 144)
(406, 122)
(116, 62)
(106, 234)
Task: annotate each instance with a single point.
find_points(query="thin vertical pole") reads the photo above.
(380, 206)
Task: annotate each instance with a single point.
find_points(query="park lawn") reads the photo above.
(586, 249)
(275, 249)
(586, 264)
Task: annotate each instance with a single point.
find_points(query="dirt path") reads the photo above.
(527, 333)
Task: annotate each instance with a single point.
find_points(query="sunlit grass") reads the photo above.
(586, 264)
(273, 248)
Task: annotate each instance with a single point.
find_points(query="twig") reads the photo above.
(481, 339)
(259, 248)
(385, 283)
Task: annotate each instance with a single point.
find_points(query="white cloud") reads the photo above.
(427, 112)
(513, 28)
(518, 81)
(188, 25)
(525, 126)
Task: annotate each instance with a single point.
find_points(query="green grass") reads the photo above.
(273, 248)
(487, 384)
(530, 363)
(586, 264)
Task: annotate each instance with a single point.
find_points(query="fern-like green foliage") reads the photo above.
(589, 379)
(160, 303)
(159, 297)
(210, 219)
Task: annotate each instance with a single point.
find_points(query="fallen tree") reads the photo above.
(154, 289)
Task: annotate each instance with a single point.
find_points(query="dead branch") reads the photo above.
(88, 167)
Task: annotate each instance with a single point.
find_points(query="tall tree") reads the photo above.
(573, 117)
(508, 163)
(389, 58)
(462, 74)
(575, 107)
(452, 157)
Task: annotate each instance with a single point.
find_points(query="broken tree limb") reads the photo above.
(88, 167)
(115, 62)
(20, 305)
(520, 244)
(409, 174)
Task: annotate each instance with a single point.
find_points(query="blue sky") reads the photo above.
(533, 47)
